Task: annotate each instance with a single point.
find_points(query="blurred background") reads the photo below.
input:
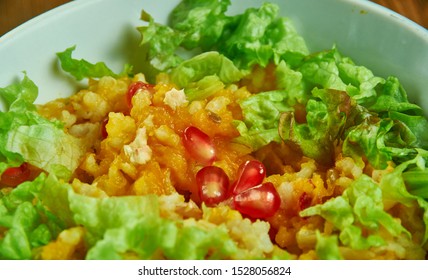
(16, 12)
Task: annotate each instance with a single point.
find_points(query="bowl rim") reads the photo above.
(395, 16)
(367, 5)
(65, 87)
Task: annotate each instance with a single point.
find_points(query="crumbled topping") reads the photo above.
(138, 151)
(175, 98)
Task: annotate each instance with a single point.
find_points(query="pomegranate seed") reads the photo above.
(199, 145)
(212, 184)
(304, 201)
(104, 133)
(250, 174)
(258, 202)
(13, 176)
(134, 88)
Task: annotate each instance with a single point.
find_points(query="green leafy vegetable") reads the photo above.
(343, 102)
(27, 136)
(20, 96)
(261, 116)
(206, 64)
(204, 88)
(28, 225)
(81, 69)
(327, 247)
(123, 227)
(391, 96)
(47, 147)
(201, 22)
(325, 121)
(257, 36)
(162, 43)
(395, 190)
(359, 207)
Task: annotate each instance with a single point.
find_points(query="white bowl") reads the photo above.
(105, 30)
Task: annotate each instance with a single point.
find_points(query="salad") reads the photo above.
(234, 141)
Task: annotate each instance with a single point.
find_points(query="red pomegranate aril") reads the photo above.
(250, 174)
(304, 201)
(13, 176)
(104, 132)
(259, 202)
(198, 145)
(134, 88)
(212, 184)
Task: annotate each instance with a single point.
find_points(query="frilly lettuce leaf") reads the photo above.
(359, 207)
(20, 96)
(256, 36)
(261, 113)
(331, 70)
(343, 102)
(201, 22)
(260, 36)
(161, 42)
(193, 25)
(121, 226)
(81, 69)
(132, 227)
(27, 225)
(398, 188)
(362, 207)
(25, 136)
(206, 64)
(327, 247)
(396, 137)
(152, 237)
(46, 147)
(204, 88)
(325, 121)
(391, 96)
(34, 213)
(291, 81)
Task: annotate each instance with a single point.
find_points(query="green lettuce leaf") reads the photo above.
(260, 37)
(27, 225)
(20, 96)
(397, 188)
(132, 227)
(326, 117)
(201, 22)
(119, 226)
(152, 237)
(25, 136)
(391, 97)
(161, 42)
(359, 208)
(321, 70)
(390, 128)
(193, 25)
(256, 36)
(327, 247)
(203, 65)
(47, 147)
(397, 137)
(81, 69)
(291, 81)
(204, 88)
(416, 182)
(261, 113)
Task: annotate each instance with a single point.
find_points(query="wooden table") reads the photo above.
(416, 10)
(15, 12)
